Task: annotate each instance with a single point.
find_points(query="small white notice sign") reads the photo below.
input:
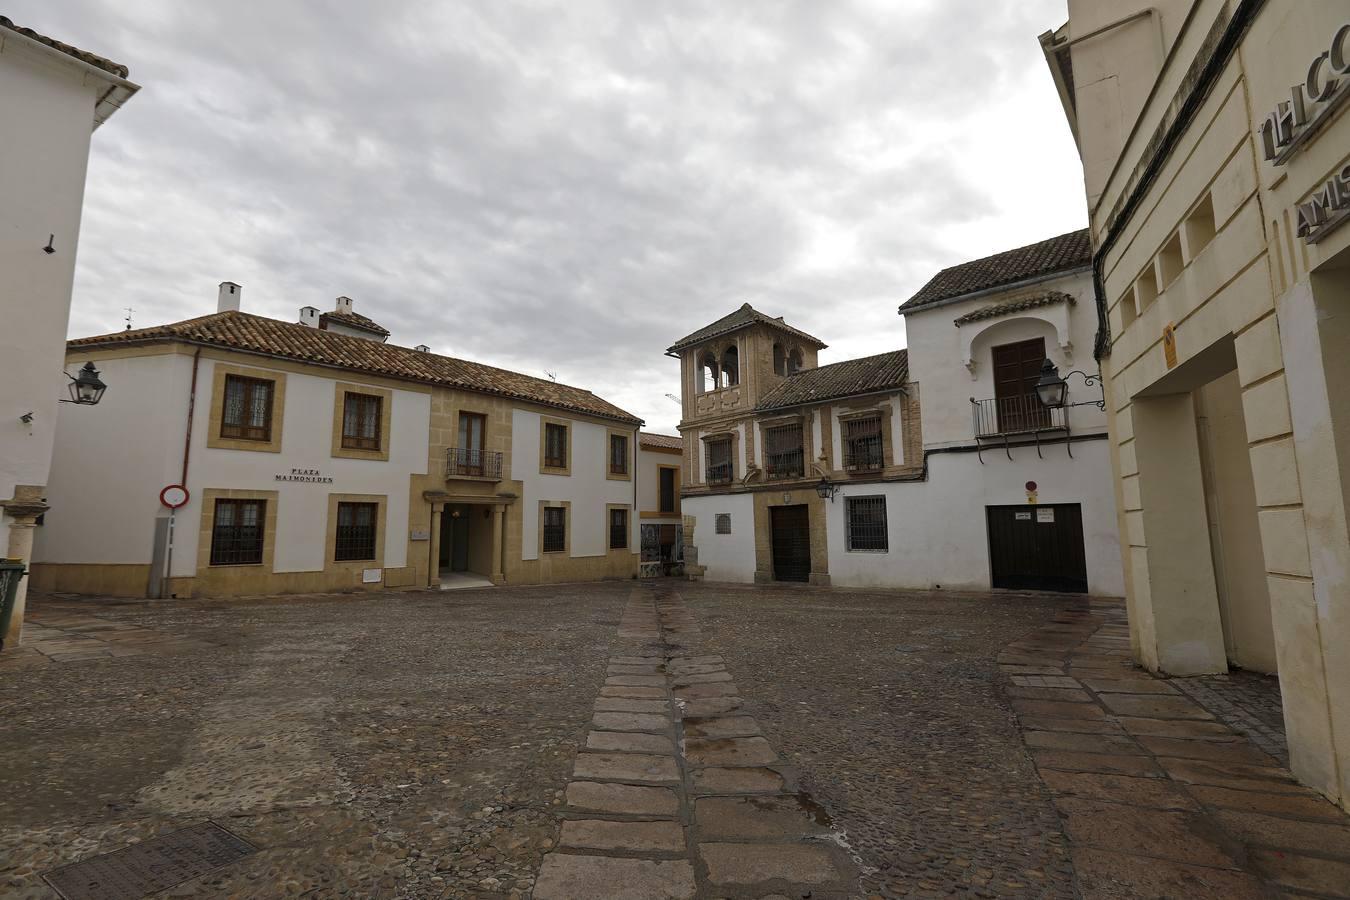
(371, 576)
(419, 534)
(1045, 514)
(1022, 515)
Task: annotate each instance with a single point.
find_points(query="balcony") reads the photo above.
(785, 464)
(719, 473)
(461, 462)
(1004, 418)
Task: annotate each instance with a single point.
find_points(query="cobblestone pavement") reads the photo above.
(648, 740)
(1159, 797)
(1247, 702)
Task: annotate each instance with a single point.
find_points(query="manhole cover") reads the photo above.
(150, 866)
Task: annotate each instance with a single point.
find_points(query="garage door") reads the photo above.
(1037, 548)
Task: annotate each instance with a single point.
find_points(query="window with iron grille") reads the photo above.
(723, 523)
(867, 523)
(361, 415)
(618, 529)
(356, 526)
(719, 461)
(555, 529)
(618, 454)
(863, 444)
(667, 489)
(247, 413)
(555, 445)
(783, 456)
(237, 532)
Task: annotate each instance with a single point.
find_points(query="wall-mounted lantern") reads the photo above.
(87, 388)
(1053, 391)
(825, 489)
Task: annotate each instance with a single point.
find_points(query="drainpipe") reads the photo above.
(187, 452)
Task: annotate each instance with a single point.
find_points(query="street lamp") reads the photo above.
(87, 388)
(1053, 391)
(825, 490)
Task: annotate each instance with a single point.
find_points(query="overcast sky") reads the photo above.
(565, 187)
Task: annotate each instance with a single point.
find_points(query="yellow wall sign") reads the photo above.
(1170, 345)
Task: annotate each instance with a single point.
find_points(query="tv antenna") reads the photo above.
(128, 316)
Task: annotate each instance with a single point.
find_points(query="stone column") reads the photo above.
(498, 538)
(23, 510)
(434, 557)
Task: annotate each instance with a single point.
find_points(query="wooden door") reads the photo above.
(1017, 368)
(1037, 547)
(459, 544)
(790, 528)
(471, 428)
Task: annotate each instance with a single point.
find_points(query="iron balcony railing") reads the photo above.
(1023, 414)
(719, 473)
(461, 462)
(863, 455)
(786, 464)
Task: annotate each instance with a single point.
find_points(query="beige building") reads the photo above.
(52, 98)
(661, 528)
(1216, 158)
(318, 458)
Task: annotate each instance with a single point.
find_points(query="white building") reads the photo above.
(932, 467)
(52, 97)
(661, 531)
(318, 459)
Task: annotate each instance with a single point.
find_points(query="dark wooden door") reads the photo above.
(1037, 547)
(790, 527)
(459, 544)
(1017, 368)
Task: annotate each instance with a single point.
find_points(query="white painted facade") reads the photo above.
(726, 557)
(50, 103)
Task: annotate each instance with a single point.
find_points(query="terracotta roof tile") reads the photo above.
(746, 315)
(354, 320)
(1067, 251)
(1034, 301)
(661, 441)
(288, 340)
(95, 60)
(841, 379)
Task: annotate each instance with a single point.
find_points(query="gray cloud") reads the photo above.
(566, 187)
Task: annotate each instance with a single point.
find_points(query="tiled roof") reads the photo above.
(106, 65)
(746, 315)
(288, 340)
(1045, 298)
(1068, 251)
(661, 441)
(353, 320)
(841, 379)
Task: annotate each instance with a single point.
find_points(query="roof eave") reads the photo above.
(119, 89)
(996, 289)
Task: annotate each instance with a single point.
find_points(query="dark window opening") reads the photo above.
(618, 529)
(719, 461)
(237, 532)
(723, 523)
(783, 455)
(356, 526)
(731, 368)
(667, 491)
(555, 446)
(555, 529)
(618, 454)
(361, 415)
(863, 445)
(247, 413)
(867, 523)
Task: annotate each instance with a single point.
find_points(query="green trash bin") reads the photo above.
(11, 573)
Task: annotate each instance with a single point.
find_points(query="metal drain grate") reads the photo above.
(150, 866)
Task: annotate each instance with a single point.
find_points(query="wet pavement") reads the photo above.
(647, 740)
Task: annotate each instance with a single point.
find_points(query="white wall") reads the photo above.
(46, 116)
(937, 529)
(587, 488)
(936, 356)
(109, 471)
(727, 557)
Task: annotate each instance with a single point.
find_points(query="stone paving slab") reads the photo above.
(751, 865)
(624, 704)
(624, 721)
(601, 834)
(1110, 874)
(711, 706)
(629, 742)
(632, 692)
(567, 877)
(747, 780)
(752, 751)
(634, 767)
(721, 727)
(778, 818)
(622, 799)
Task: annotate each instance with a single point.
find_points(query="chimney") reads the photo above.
(229, 297)
(309, 316)
(423, 348)
(344, 305)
